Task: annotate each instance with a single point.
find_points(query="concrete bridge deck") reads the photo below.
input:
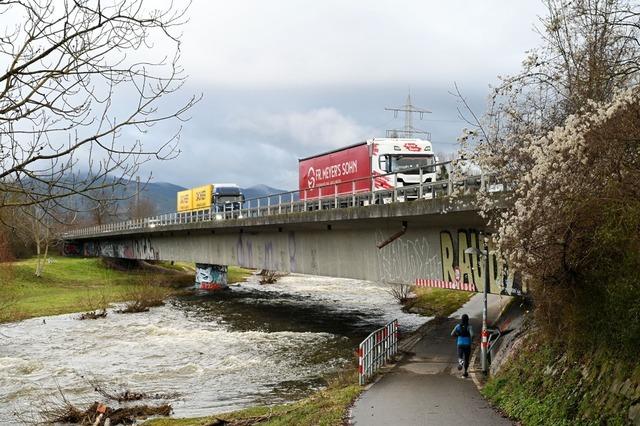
(425, 241)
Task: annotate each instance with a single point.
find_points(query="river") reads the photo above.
(254, 344)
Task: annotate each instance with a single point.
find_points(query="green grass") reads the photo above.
(327, 407)
(546, 385)
(438, 302)
(177, 266)
(236, 274)
(72, 284)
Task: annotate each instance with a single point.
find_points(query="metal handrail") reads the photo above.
(332, 199)
(376, 350)
(494, 335)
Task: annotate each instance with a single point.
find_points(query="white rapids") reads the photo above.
(254, 344)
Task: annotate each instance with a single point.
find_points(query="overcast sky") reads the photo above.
(285, 79)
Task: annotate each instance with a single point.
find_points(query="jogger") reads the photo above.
(464, 333)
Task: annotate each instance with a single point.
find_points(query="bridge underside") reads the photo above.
(424, 248)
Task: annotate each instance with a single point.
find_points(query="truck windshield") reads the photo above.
(403, 163)
(228, 198)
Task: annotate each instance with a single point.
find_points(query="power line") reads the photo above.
(408, 110)
(445, 121)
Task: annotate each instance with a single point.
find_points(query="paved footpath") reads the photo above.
(426, 388)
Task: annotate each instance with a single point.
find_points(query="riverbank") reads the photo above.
(327, 407)
(253, 346)
(71, 284)
(543, 383)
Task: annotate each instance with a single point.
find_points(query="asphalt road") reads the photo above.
(426, 388)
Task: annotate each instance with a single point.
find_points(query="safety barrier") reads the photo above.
(324, 197)
(376, 350)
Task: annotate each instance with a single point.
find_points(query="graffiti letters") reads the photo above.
(72, 248)
(405, 259)
(125, 249)
(461, 267)
(211, 277)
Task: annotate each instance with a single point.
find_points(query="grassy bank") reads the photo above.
(76, 284)
(327, 407)
(544, 384)
(437, 302)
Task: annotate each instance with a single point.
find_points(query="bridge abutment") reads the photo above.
(211, 277)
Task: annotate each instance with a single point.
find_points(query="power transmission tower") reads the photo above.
(408, 110)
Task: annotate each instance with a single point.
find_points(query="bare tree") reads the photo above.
(103, 208)
(141, 207)
(41, 232)
(38, 226)
(7, 274)
(102, 211)
(71, 88)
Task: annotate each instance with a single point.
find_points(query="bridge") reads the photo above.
(411, 235)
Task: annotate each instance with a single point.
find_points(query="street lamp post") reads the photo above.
(484, 344)
(485, 334)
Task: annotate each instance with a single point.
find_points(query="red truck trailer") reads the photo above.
(393, 162)
(338, 169)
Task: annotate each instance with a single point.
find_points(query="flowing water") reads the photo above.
(217, 352)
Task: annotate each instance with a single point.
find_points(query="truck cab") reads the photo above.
(226, 197)
(399, 162)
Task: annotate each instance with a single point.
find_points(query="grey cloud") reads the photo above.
(316, 129)
(251, 137)
(291, 43)
(286, 79)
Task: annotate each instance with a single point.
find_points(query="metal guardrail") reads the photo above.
(328, 197)
(376, 350)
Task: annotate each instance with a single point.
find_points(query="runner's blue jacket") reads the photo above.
(463, 340)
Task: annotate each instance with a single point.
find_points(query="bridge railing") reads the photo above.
(376, 350)
(381, 189)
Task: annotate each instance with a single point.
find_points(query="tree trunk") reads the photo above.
(36, 237)
(38, 259)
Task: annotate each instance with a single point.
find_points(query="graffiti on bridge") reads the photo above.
(125, 249)
(405, 259)
(211, 277)
(72, 248)
(466, 271)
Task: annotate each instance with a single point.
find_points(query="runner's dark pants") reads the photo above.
(463, 353)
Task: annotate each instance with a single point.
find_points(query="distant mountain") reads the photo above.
(264, 191)
(260, 191)
(163, 195)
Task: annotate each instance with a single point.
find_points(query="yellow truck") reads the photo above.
(185, 203)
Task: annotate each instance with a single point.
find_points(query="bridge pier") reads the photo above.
(211, 277)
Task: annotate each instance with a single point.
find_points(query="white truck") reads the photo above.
(392, 162)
